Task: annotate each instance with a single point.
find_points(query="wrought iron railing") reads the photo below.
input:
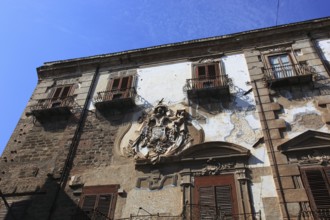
(207, 82)
(286, 71)
(112, 95)
(51, 103)
(320, 214)
(93, 214)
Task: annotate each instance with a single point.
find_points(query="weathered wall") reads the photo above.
(235, 121)
(34, 157)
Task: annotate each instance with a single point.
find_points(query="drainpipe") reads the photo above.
(74, 144)
(271, 146)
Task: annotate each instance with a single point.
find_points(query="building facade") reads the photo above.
(230, 127)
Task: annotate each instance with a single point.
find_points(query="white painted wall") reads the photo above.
(163, 81)
(324, 45)
(264, 189)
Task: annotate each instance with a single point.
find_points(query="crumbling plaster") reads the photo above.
(301, 116)
(236, 122)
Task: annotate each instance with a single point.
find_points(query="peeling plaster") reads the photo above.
(297, 115)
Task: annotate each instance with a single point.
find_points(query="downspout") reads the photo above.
(271, 146)
(74, 144)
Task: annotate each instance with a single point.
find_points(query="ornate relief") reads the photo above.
(162, 133)
(156, 182)
(215, 169)
(315, 158)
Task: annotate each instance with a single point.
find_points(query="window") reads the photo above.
(281, 66)
(215, 197)
(317, 184)
(60, 94)
(98, 202)
(207, 76)
(119, 88)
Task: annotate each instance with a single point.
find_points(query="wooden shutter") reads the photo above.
(316, 182)
(215, 196)
(119, 87)
(223, 200)
(62, 92)
(104, 204)
(88, 204)
(207, 202)
(99, 198)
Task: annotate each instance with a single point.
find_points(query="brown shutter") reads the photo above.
(207, 202)
(104, 204)
(217, 192)
(88, 204)
(317, 186)
(223, 199)
(100, 198)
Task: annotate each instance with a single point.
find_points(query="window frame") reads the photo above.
(99, 191)
(60, 95)
(119, 92)
(208, 81)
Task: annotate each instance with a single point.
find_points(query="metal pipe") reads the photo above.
(74, 144)
(271, 146)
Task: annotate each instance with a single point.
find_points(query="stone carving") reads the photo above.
(241, 174)
(157, 182)
(215, 169)
(162, 133)
(315, 158)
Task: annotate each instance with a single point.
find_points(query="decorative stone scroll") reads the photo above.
(163, 132)
(215, 169)
(316, 158)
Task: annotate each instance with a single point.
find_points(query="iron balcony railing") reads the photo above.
(93, 214)
(287, 71)
(50, 103)
(320, 214)
(207, 82)
(114, 95)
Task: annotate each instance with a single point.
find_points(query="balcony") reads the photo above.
(52, 106)
(216, 86)
(283, 75)
(115, 99)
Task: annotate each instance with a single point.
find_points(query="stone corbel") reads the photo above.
(241, 175)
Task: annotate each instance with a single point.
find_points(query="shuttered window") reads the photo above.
(61, 92)
(317, 185)
(207, 76)
(215, 197)
(120, 87)
(98, 202)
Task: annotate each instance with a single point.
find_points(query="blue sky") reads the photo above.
(37, 31)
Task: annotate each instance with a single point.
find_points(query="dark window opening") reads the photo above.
(98, 202)
(317, 184)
